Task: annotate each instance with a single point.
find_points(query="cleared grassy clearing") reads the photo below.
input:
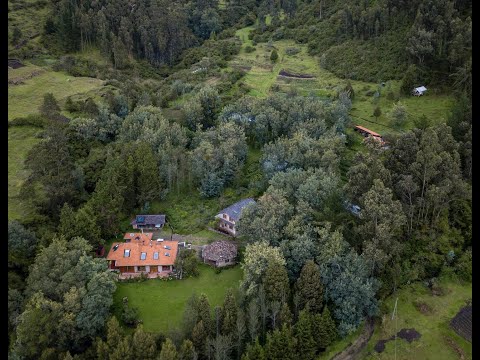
(20, 140)
(29, 16)
(161, 303)
(433, 327)
(25, 99)
(263, 80)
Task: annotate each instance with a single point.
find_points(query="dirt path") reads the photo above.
(353, 350)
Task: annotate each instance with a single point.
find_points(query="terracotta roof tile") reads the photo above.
(137, 248)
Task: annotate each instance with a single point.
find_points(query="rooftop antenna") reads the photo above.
(395, 315)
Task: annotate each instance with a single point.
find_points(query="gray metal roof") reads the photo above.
(235, 210)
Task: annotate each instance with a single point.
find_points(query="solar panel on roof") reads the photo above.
(143, 256)
(140, 219)
(155, 255)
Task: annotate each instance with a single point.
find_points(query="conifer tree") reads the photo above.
(199, 337)
(306, 345)
(325, 329)
(309, 288)
(187, 351)
(143, 345)
(229, 313)
(276, 283)
(286, 316)
(169, 351)
(254, 351)
(280, 344)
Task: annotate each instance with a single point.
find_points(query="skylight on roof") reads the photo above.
(155, 255)
(127, 253)
(143, 256)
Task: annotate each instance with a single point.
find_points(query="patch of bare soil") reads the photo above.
(423, 308)
(296, 76)
(438, 291)
(405, 334)
(409, 334)
(455, 347)
(15, 63)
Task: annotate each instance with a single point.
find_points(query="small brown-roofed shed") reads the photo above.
(220, 253)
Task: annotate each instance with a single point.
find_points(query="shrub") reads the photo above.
(377, 112)
(36, 120)
(292, 51)
(274, 56)
(398, 115)
(129, 315)
(249, 49)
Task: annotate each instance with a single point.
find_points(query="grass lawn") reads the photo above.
(161, 303)
(20, 140)
(25, 99)
(433, 327)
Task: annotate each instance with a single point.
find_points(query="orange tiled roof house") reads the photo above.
(140, 254)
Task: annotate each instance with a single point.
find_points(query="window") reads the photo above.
(155, 255)
(143, 256)
(230, 226)
(225, 216)
(126, 253)
(141, 268)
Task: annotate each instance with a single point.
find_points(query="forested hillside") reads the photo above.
(118, 108)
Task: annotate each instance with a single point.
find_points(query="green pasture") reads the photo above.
(438, 340)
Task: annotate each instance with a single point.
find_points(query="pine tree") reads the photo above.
(306, 345)
(204, 314)
(309, 288)
(199, 337)
(276, 283)
(68, 222)
(169, 351)
(280, 344)
(325, 329)
(286, 317)
(49, 107)
(254, 351)
(187, 351)
(122, 350)
(229, 314)
(148, 179)
(143, 345)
